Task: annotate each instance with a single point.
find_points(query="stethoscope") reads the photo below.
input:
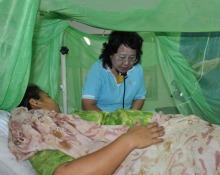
(124, 92)
(123, 100)
(124, 76)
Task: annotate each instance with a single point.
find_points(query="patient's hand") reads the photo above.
(144, 136)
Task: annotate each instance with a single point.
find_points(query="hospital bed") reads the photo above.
(191, 146)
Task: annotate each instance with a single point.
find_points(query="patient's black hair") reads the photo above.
(32, 91)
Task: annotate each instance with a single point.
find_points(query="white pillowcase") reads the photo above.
(8, 162)
(4, 117)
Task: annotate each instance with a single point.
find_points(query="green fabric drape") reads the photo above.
(172, 61)
(17, 20)
(141, 15)
(45, 68)
(80, 58)
(181, 76)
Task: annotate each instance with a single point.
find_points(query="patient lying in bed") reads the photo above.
(191, 145)
(44, 127)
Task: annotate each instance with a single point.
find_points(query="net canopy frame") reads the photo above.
(180, 51)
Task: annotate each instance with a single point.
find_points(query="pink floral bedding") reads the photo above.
(36, 130)
(191, 146)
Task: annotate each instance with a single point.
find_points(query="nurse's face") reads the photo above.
(124, 59)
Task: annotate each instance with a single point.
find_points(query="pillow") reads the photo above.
(8, 162)
(4, 118)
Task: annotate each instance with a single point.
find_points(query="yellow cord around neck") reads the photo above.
(119, 78)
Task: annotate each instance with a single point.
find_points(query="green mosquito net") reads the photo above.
(180, 52)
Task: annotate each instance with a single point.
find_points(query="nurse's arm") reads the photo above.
(137, 104)
(90, 105)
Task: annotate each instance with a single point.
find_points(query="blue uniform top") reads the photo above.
(101, 85)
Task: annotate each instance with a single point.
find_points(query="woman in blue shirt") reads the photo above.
(116, 80)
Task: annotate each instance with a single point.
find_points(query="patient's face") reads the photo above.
(48, 103)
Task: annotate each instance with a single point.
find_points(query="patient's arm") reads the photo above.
(106, 160)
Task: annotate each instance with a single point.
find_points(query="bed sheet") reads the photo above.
(8, 162)
(191, 146)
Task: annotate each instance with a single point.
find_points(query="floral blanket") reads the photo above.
(36, 130)
(191, 146)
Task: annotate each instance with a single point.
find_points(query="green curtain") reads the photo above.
(45, 67)
(176, 54)
(141, 15)
(17, 19)
(177, 61)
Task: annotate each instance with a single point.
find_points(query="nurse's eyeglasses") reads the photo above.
(124, 58)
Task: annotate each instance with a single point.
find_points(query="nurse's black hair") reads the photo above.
(117, 38)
